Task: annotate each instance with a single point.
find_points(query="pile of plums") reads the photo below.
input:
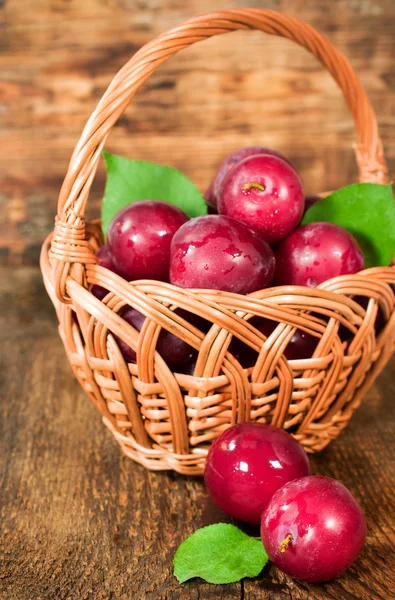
(254, 242)
(311, 527)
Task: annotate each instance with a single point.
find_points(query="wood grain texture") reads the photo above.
(57, 58)
(78, 521)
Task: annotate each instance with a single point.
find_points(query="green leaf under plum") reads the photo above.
(132, 180)
(367, 211)
(219, 553)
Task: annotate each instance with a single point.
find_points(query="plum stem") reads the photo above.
(284, 544)
(246, 187)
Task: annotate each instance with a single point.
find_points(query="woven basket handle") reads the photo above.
(68, 244)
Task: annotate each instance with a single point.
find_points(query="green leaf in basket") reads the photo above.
(219, 553)
(367, 211)
(132, 180)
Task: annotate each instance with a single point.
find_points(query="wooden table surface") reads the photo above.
(80, 521)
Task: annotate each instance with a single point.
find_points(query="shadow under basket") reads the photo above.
(167, 420)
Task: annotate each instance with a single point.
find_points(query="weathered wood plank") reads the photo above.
(79, 521)
(246, 88)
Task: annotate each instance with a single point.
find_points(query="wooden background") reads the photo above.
(77, 520)
(58, 56)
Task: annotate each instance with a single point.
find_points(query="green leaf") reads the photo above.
(132, 180)
(219, 553)
(367, 211)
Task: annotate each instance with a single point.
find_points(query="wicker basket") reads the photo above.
(166, 420)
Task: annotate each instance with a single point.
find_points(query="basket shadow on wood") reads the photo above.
(167, 420)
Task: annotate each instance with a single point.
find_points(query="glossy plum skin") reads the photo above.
(273, 210)
(345, 334)
(135, 318)
(316, 252)
(300, 346)
(326, 525)
(139, 238)
(213, 191)
(216, 252)
(247, 464)
(104, 257)
(175, 352)
(105, 260)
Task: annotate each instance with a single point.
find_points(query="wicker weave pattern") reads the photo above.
(166, 420)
